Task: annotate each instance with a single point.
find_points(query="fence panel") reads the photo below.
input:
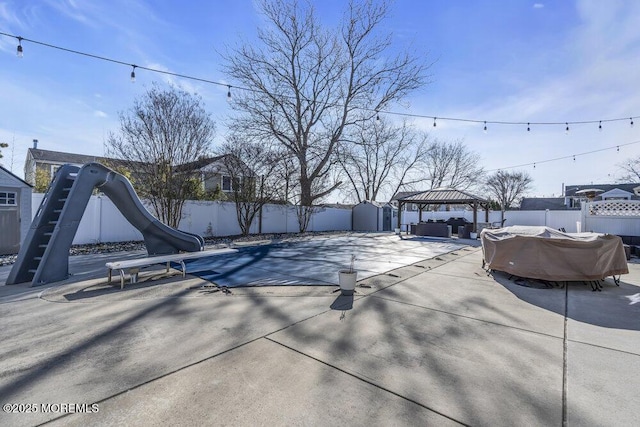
(330, 219)
(109, 225)
(621, 217)
(524, 218)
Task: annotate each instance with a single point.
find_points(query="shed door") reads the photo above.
(386, 218)
(9, 231)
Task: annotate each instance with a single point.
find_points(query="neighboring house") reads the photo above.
(15, 211)
(49, 161)
(609, 192)
(214, 174)
(543, 203)
(573, 201)
(212, 171)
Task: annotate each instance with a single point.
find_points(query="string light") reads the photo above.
(485, 127)
(555, 159)
(133, 74)
(574, 157)
(567, 129)
(600, 127)
(618, 148)
(19, 51)
(485, 123)
(377, 116)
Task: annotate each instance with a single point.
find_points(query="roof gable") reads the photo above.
(542, 203)
(19, 181)
(61, 157)
(616, 192)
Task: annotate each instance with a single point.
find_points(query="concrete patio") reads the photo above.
(437, 342)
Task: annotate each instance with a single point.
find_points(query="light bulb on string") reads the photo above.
(133, 74)
(600, 126)
(574, 157)
(377, 116)
(20, 53)
(229, 93)
(618, 148)
(566, 131)
(485, 127)
(534, 165)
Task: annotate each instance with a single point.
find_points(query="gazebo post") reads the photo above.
(420, 213)
(400, 215)
(486, 213)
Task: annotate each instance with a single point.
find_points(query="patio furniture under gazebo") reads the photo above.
(445, 196)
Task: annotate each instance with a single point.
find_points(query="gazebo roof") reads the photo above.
(442, 196)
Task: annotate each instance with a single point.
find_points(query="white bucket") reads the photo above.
(347, 280)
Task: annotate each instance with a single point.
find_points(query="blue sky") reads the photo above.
(508, 60)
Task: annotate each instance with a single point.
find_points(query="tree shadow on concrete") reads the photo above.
(614, 307)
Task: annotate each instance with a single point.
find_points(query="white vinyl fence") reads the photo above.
(621, 217)
(103, 222)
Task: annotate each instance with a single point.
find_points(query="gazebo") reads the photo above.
(445, 196)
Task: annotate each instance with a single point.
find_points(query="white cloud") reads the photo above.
(538, 5)
(184, 84)
(99, 113)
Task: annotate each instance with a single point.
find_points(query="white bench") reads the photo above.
(133, 265)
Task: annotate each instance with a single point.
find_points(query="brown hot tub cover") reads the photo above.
(547, 254)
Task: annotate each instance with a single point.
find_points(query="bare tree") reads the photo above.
(380, 157)
(452, 164)
(507, 187)
(630, 169)
(166, 128)
(253, 169)
(309, 83)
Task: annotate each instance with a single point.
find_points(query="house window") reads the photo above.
(54, 169)
(226, 183)
(7, 198)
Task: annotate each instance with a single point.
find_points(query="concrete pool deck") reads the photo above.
(436, 342)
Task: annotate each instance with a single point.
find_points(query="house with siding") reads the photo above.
(214, 174)
(211, 170)
(573, 199)
(48, 162)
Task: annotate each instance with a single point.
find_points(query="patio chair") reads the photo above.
(498, 224)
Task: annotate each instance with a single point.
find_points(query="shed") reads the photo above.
(15, 211)
(373, 216)
(445, 196)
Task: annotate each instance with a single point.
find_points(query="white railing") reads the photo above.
(621, 217)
